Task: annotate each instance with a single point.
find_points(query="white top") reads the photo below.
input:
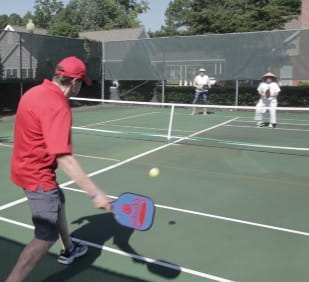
(273, 88)
(200, 81)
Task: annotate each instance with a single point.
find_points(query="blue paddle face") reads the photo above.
(134, 211)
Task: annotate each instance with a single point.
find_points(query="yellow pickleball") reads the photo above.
(154, 172)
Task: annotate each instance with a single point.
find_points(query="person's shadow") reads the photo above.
(98, 229)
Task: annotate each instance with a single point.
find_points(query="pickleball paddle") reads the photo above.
(134, 211)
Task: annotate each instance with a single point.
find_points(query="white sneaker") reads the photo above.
(260, 123)
(272, 125)
(67, 257)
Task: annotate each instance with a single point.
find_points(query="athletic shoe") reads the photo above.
(260, 123)
(192, 114)
(272, 125)
(205, 114)
(67, 257)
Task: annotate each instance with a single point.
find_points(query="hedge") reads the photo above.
(289, 96)
(292, 96)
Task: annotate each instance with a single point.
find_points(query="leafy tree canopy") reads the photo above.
(80, 15)
(224, 16)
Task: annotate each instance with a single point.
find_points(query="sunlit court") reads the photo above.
(154, 141)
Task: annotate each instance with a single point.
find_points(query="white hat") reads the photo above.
(202, 69)
(269, 74)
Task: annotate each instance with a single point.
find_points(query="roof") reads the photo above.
(115, 34)
(293, 24)
(23, 29)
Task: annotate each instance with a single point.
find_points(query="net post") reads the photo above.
(236, 93)
(170, 126)
(163, 92)
(103, 72)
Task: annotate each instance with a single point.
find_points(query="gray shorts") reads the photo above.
(45, 208)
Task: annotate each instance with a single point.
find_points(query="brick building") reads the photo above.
(304, 16)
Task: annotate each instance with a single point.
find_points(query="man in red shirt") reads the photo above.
(42, 142)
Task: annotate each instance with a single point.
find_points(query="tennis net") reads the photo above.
(231, 127)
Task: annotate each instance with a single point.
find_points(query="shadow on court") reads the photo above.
(49, 267)
(98, 229)
(4, 139)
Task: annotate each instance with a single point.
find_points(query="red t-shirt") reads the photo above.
(42, 131)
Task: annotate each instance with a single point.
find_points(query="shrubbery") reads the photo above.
(292, 96)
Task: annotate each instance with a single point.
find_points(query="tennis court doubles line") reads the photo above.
(122, 118)
(142, 258)
(156, 149)
(224, 218)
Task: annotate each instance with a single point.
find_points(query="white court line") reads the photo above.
(24, 199)
(224, 218)
(285, 123)
(78, 155)
(293, 119)
(152, 261)
(99, 158)
(6, 145)
(139, 156)
(122, 253)
(117, 132)
(284, 129)
(122, 118)
(151, 128)
(14, 203)
(150, 151)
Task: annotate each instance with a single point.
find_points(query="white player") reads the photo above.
(269, 90)
(202, 84)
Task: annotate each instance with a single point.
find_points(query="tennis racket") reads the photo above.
(267, 93)
(134, 211)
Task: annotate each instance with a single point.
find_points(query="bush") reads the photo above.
(136, 90)
(292, 96)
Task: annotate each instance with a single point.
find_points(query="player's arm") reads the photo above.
(261, 90)
(195, 84)
(209, 83)
(72, 168)
(275, 89)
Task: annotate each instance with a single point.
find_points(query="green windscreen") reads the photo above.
(237, 56)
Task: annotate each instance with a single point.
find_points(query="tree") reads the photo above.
(46, 11)
(14, 19)
(3, 21)
(217, 16)
(99, 14)
(63, 29)
(28, 16)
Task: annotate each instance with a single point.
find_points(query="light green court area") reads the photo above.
(232, 203)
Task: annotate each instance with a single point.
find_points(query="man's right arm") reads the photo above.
(72, 168)
(196, 84)
(261, 90)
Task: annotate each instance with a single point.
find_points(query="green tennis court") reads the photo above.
(232, 199)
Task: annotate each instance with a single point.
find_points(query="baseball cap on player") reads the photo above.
(73, 67)
(202, 70)
(269, 74)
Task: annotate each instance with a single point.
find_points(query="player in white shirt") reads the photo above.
(269, 90)
(201, 84)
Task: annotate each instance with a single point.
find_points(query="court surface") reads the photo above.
(232, 199)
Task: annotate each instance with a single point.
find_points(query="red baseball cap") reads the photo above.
(73, 67)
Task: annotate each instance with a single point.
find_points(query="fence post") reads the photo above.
(20, 66)
(103, 72)
(163, 92)
(237, 93)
